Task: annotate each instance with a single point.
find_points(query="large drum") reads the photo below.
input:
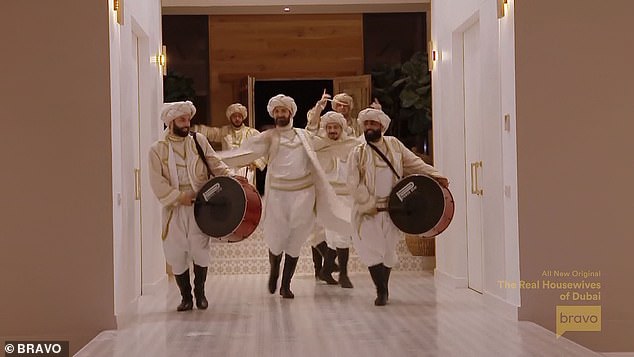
(228, 207)
(419, 205)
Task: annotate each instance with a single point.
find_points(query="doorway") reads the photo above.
(305, 92)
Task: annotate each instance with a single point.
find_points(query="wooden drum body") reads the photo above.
(419, 205)
(228, 207)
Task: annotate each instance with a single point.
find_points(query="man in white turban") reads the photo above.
(332, 157)
(342, 103)
(232, 136)
(370, 180)
(176, 173)
(296, 191)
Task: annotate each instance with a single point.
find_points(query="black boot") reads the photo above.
(182, 280)
(343, 254)
(274, 261)
(200, 276)
(329, 266)
(386, 277)
(290, 264)
(317, 259)
(323, 250)
(377, 273)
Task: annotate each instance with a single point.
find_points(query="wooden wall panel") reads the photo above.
(280, 46)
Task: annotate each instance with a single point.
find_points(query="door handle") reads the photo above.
(478, 190)
(473, 183)
(137, 184)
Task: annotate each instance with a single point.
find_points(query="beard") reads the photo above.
(372, 135)
(180, 131)
(282, 121)
(236, 124)
(333, 135)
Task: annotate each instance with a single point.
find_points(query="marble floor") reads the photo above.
(421, 319)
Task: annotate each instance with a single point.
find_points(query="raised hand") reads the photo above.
(375, 104)
(324, 98)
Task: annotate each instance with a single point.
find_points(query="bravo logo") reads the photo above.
(578, 318)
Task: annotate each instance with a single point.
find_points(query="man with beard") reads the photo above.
(341, 103)
(176, 173)
(332, 127)
(370, 180)
(232, 136)
(296, 191)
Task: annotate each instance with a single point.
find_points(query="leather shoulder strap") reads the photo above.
(201, 153)
(382, 155)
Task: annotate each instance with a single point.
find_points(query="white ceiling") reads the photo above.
(242, 7)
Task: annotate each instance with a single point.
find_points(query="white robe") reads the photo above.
(336, 169)
(290, 198)
(313, 194)
(370, 180)
(175, 167)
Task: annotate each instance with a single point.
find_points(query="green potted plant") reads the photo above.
(404, 91)
(177, 87)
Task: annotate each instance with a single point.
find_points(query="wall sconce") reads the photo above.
(161, 60)
(503, 8)
(432, 56)
(117, 6)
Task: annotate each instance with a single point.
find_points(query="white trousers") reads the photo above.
(288, 220)
(335, 239)
(318, 235)
(185, 242)
(377, 240)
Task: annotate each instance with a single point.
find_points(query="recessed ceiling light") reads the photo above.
(287, 9)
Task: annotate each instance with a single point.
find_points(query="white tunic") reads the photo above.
(337, 173)
(290, 198)
(175, 167)
(370, 180)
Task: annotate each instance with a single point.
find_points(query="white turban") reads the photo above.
(343, 98)
(171, 111)
(282, 100)
(236, 108)
(333, 117)
(374, 115)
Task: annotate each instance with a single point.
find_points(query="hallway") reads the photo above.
(421, 319)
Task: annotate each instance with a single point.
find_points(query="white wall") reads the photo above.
(143, 18)
(500, 248)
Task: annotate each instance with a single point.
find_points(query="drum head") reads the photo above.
(416, 204)
(220, 206)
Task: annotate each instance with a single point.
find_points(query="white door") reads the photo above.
(131, 249)
(473, 147)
